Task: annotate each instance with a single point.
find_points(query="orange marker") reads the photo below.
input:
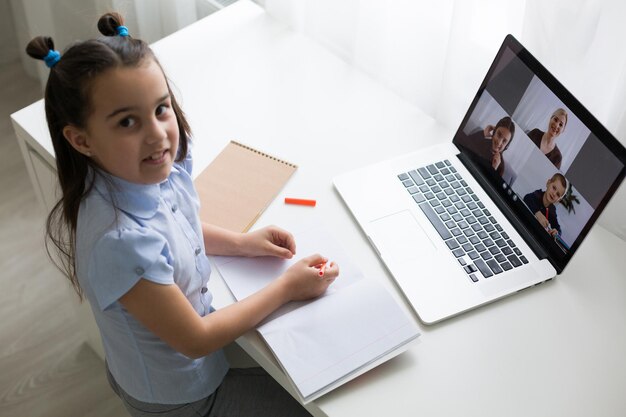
(322, 269)
(300, 201)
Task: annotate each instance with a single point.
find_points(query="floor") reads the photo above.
(46, 369)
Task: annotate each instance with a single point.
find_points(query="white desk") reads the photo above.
(555, 350)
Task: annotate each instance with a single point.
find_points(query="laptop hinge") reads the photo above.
(539, 251)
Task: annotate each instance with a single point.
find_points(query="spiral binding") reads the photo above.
(264, 154)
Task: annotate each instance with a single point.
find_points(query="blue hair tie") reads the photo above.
(122, 31)
(52, 58)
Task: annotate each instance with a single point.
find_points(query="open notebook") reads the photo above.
(321, 344)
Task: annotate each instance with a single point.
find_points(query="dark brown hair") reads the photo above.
(507, 123)
(68, 101)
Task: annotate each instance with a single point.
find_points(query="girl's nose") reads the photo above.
(156, 131)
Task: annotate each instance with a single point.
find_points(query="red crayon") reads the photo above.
(300, 201)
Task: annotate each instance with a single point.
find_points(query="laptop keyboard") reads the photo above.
(469, 230)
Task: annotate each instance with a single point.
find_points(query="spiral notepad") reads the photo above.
(239, 184)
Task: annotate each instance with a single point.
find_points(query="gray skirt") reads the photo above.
(245, 392)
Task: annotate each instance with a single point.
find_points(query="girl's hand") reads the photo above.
(302, 281)
(269, 241)
(487, 131)
(496, 159)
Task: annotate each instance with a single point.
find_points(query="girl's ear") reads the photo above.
(77, 138)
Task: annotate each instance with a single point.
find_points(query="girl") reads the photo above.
(489, 144)
(129, 237)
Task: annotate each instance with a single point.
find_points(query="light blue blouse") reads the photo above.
(155, 234)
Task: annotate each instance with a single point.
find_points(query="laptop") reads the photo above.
(500, 208)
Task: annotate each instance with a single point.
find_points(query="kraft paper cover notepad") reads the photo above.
(238, 185)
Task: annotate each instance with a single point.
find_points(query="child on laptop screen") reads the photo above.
(542, 203)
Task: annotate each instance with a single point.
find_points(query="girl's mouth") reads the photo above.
(157, 158)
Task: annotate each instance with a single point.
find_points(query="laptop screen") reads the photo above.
(541, 151)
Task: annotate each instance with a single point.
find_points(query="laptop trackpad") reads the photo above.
(399, 237)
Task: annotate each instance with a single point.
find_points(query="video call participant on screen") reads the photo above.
(541, 203)
(546, 141)
(489, 143)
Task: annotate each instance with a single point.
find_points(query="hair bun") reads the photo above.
(109, 22)
(39, 47)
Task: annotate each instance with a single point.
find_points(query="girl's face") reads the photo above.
(554, 191)
(500, 139)
(132, 132)
(556, 125)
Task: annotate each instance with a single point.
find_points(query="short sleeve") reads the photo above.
(121, 257)
(187, 163)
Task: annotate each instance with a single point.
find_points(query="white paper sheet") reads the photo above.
(327, 341)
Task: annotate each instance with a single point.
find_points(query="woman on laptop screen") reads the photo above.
(546, 141)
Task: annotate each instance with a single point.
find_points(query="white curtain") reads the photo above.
(69, 20)
(436, 53)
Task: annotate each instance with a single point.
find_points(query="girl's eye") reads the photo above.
(127, 122)
(162, 109)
